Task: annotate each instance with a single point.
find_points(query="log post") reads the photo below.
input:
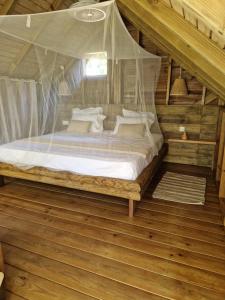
(132, 205)
(222, 179)
(2, 182)
(1, 259)
(2, 294)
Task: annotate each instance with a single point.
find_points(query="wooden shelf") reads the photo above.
(202, 142)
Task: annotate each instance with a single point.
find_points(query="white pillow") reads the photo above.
(88, 111)
(131, 130)
(80, 127)
(131, 113)
(96, 120)
(131, 120)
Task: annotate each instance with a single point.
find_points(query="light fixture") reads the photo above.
(179, 87)
(85, 11)
(64, 89)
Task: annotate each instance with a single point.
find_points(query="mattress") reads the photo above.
(95, 155)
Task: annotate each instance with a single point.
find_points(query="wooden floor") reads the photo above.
(71, 245)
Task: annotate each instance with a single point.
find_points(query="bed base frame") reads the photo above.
(127, 189)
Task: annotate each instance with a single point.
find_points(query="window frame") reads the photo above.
(96, 55)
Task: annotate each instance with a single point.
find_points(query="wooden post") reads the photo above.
(221, 148)
(1, 259)
(2, 294)
(132, 204)
(222, 189)
(168, 81)
(222, 180)
(203, 95)
(2, 182)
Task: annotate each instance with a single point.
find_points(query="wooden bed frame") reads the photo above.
(127, 189)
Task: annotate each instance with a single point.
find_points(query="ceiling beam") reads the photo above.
(56, 4)
(8, 4)
(181, 40)
(210, 98)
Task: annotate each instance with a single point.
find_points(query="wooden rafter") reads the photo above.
(210, 98)
(8, 4)
(176, 36)
(56, 5)
(207, 15)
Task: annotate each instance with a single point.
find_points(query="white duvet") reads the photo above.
(108, 156)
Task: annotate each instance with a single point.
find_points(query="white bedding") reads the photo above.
(26, 154)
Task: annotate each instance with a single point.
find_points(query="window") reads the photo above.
(96, 64)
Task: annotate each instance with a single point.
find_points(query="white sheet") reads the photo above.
(25, 154)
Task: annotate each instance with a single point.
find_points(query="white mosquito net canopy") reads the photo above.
(71, 73)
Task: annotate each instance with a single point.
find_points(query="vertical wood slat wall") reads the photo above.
(201, 121)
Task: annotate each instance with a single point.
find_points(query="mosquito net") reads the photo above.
(76, 91)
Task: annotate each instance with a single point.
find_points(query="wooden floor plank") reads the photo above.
(31, 287)
(71, 205)
(72, 226)
(200, 209)
(74, 205)
(153, 215)
(114, 263)
(69, 224)
(146, 201)
(109, 239)
(75, 278)
(86, 282)
(68, 244)
(11, 296)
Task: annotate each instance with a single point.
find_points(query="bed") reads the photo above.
(100, 163)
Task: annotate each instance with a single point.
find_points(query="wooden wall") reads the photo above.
(201, 124)
(199, 120)
(191, 111)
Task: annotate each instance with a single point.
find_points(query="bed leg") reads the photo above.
(132, 205)
(2, 182)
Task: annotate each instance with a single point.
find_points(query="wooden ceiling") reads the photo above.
(173, 25)
(208, 16)
(32, 6)
(14, 53)
(191, 49)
